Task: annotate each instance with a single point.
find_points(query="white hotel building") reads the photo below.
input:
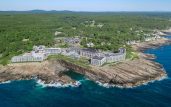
(29, 57)
(97, 58)
(53, 51)
(38, 54)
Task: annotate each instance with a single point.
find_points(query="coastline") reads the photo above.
(51, 72)
(124, 74)
(140, 47)
(48, 72)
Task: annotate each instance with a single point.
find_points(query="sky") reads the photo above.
(86, 5)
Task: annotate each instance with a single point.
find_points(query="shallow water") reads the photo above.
(30, 94)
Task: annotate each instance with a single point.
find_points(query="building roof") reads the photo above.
(98, 57)
(90, 50)
(112, 54)
(108, 54)
(39, 48)
(52, 48)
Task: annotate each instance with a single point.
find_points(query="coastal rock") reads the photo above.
(151, 44)
(125, 74)
(48, 71)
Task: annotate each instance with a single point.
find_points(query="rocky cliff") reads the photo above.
(125, 74)
(48, 71)
(151, 44)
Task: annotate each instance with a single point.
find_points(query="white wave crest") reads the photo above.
(58, 84)
(107, 85)
(160, 79)
(6, 82)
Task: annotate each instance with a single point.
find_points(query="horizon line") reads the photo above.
(82, 11)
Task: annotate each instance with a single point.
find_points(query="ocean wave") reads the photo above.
(6, 82)
(84, 80)
(107, 85)
(58, 84)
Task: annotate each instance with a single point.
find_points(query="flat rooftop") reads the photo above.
(90, 50)
(98, 57)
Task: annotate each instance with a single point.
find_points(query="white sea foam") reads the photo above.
(107, 85)
(58, 84)
(83, 80)
(6, 82)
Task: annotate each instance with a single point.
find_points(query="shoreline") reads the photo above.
(47, 71)
(141, 47)
(106, 85)
(51, 73)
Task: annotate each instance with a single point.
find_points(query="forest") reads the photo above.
(19, 32)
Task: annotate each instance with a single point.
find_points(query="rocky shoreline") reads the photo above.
(151, 44)
(123, 74)
(47, 71)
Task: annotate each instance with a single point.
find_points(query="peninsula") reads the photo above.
(111, 60)
(50, 64)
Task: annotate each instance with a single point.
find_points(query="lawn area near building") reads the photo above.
(83, 62)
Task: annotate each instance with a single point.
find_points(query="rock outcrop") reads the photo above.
(151, 44)
(48, 71)
(125, 74)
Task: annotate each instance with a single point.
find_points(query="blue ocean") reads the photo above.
(28, 93)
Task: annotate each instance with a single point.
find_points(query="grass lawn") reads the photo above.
(83, 62)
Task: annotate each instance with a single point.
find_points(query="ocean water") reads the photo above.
(29, 93)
